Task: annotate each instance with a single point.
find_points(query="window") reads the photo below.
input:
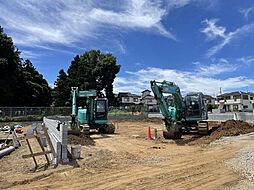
(245, 97)
(227, 97)
(251, 98)
(235, 107)
(126, 99)
(100, 107)
(135, 100)
(235, 97)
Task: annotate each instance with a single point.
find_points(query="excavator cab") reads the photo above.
(196, 113)
(93, 116)
(101, 109)
(195, 106)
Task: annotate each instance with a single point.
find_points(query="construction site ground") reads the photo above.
(127, 160)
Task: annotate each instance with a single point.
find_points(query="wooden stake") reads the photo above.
(155, 134)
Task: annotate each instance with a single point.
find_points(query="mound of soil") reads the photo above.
(231, 128)
(228, 128)
(81, 139)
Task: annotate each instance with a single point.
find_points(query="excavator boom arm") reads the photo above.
(158, 89)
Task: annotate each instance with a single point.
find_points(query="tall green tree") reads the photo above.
(10, 67)
(20, 83)
(38, 92)
(62, 90)
(93, 70)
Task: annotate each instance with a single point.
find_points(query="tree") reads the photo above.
(93, 70)
(62, 90)
(10, 66)
(20, 83)
(37, 92)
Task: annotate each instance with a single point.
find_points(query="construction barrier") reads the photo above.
(58, 133)
(244, 116)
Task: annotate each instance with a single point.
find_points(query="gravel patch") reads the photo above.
(242, 185)
(243, 163)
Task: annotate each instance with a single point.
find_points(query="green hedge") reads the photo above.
(22, 118)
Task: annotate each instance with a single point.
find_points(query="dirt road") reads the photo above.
(127, 161)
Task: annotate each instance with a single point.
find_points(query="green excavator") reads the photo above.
(180, 114)
(92, 115)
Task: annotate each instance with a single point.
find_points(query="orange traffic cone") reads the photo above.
(149, 134)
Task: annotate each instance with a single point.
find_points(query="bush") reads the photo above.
(21, 118)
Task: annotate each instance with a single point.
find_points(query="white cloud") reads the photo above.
(246, 12)
(25, 54)
(178, 3)
(214, 31)
(207, 4)
(247, 60)
(138, 14)
(65, 22)
(187, 81)
(72, 24)
(222, 66)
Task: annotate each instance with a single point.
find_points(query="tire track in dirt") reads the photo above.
(116, 181)
(123, 162)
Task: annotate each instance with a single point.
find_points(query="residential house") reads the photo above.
(127, 100)
(209, 100)
(236, 101)
(149, 101)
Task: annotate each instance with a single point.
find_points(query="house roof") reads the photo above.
(148, 97)
(235, 93)
(146, 90)
(133, 95)
(127, 94)
(208, 97)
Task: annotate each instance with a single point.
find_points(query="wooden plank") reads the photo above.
(39, 139)
(42, 147)
(36, 154)
(30, 148)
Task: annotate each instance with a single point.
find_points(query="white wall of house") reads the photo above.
(242, 102)
(135, 100)
(149, 101)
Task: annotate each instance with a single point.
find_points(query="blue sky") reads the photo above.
(201, 45)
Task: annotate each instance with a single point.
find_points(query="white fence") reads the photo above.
(244, 116)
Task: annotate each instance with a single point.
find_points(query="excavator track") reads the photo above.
(85, 129)
(107, 129)
(203, 128)
(172, 135)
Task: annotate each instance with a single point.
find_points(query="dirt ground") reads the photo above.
(126, 160)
